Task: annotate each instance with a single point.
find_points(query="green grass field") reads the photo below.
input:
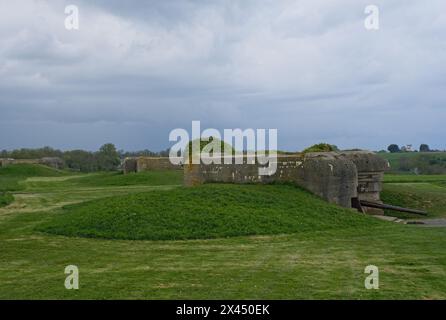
(249, 242)
(10, 176)
(394, 158)
(424, 192)
(402, 162)
(6, 199)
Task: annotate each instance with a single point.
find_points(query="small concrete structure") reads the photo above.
(53, 162)
(129, 165)
(371, 170)
(337, 177)
(139, 164)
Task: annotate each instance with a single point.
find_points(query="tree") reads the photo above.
(393, 148)
(108, 157)
(80, 160)
(424, 148)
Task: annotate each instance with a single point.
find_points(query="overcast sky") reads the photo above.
(134, 71)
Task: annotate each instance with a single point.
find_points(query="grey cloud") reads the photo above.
(308, 68)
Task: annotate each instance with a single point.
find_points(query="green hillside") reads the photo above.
(209, 211)
(30, 170)
(109, 179)
(424, 192)
(11, 175)
(421, 162)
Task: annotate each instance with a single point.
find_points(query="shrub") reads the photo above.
(6, 199)
(204, 142)
(321, 147)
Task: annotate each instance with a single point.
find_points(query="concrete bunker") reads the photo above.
(337, 177)
(138, 164)
(343, 178)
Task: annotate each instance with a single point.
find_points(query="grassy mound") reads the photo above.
(30, 170)
(11, 175)
(423, 162)
(221, 146)
(209, 211)
(430, 197)
(321, 147)
(424, 192)
(109, 179)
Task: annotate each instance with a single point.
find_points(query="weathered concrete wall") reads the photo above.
(371, 170)
(147, 164)
(129, 165)
(53, 162)
(144, 164)
(331, 177)
(327, 175)
(335, 177)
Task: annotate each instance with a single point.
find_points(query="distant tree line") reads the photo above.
(394, 148)
(144, 153)
(25, 153)
(107, 158)
(423, 163)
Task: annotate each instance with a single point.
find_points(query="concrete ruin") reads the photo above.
(371, 170)
(342, 178)
(53, 162)
(338, 177)
(138, 164)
